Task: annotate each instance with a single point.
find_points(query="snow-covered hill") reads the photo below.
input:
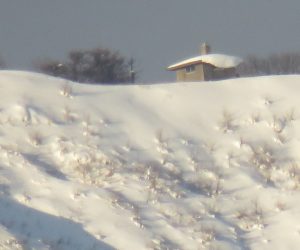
(212, 165)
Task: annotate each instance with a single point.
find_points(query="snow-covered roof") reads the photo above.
(217, 60)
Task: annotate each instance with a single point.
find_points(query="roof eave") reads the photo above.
(173, 68)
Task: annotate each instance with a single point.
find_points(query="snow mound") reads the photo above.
(162, 166)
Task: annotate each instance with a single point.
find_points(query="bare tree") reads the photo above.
(276, 64)
(52, 67)
(94, 66)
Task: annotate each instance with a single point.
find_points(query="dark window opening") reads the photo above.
(190, 68)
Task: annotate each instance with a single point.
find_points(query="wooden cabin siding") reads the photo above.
(204, 72)
(208, 72)
(206, 67)
(220, 73)
(197, 75)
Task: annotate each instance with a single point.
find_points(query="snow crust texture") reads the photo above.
(211, 165)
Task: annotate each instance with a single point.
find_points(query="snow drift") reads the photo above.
(212, 165)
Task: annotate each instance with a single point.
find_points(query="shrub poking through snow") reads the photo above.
(251, 218)
(226, 124)
(66, 90)
(184, 186)
(35, 138)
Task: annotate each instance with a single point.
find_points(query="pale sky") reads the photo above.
(154, 32)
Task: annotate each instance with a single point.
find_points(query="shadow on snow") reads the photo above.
(36, 228)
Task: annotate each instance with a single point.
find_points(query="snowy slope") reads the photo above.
(165, 166)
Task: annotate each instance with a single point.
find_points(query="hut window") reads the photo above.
(190, 68)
